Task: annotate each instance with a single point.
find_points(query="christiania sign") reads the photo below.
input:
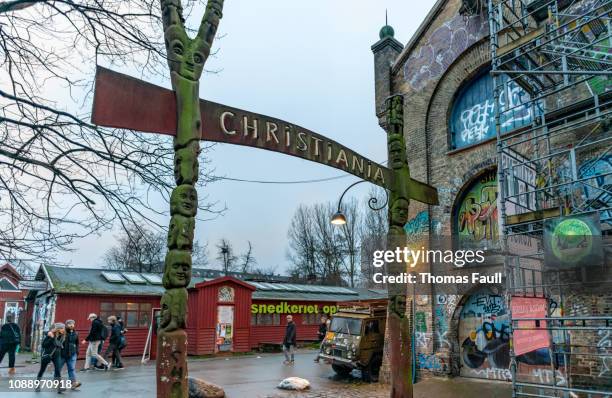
(118, 102)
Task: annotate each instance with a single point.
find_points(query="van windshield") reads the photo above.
(346, 325)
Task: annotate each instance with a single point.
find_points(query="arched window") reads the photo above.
(475, 213)
(472, 118)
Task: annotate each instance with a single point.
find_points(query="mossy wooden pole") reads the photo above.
(186, 58)
(398, 322)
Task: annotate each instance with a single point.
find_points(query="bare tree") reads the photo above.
(351, 239)
(315, 245)
(225, 254)
(247, 260)
(372, 235)
(60, 176)
(330, 244)
(302, 250)
(200, 255)
(138, 250)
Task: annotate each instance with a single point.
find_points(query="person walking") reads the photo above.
(70, 352)
(10, 337)
(123, 341)
(93, 341)
(52, 346)
(114, 343)
(321, 335)
(289, 341)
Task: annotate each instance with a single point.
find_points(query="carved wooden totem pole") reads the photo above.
(399, 199)
(186, 58)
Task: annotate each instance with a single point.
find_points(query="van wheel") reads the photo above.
(341, 370)
(369, 374)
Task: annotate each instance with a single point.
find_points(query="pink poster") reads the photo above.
(530, 339)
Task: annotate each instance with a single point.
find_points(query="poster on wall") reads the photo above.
(225, 328)
(535, 335)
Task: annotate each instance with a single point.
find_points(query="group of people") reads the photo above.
(60, 347)
(290, 339)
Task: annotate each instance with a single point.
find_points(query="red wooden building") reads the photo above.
(225, 313)
(11, 296)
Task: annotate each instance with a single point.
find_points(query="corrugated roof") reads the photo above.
(92, 281)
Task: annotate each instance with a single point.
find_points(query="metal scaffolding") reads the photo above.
(551, 65)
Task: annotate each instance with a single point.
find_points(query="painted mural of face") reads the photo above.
(399, 212)
(186, 164)
(185, 56)
(180, 232)
(397, 155)
(184, 201)
(177, 269)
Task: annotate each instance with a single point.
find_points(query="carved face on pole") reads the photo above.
(186, 164)
(177, 269)
(399, 212)
(398, 305)
(397, 154)
(173, 304)
(180, 232)
(185, 56)
(395, 114)
(184, 201)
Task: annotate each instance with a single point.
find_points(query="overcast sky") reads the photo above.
(306, 62)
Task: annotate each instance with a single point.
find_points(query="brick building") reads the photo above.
(541, 133)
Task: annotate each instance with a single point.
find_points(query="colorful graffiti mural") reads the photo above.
(442, 48)
(484, 336)
(418, 225)
(476, 216)
(473, 114)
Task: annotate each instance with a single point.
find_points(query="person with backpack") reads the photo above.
(52, 346)
(10, 337)
(70, 352)
(93, 340)
(114, 342)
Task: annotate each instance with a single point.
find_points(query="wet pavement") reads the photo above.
(251, 376)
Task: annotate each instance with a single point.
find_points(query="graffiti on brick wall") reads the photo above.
(422, 340)
(476, 217)
(442, 48)
(546, 376)
(444, 307)
(484, 335)
(417, 225)
(420, 322)
(596, 187)
(473, 113)
(431, 362)
(604, 347)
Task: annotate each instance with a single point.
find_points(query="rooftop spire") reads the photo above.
(386, 31)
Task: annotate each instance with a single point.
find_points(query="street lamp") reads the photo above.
(340, 219)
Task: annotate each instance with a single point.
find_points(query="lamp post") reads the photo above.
(340, 219)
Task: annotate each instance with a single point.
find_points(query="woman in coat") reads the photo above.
(10, 337)
(69, 353)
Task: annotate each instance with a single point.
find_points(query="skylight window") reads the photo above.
(113, 277)
(134, 277)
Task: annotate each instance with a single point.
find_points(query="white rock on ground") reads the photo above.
(294, 383)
